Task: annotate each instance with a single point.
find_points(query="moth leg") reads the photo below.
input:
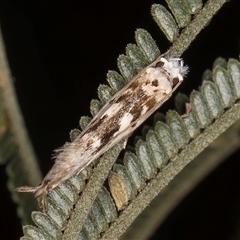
(188, 110)
(44, 202)
(38, 191)
(124, 141)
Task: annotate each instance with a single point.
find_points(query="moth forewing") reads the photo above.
(125, 111)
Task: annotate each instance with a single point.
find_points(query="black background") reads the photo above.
(59, 52)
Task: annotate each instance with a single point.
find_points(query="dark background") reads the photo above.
(59, 52)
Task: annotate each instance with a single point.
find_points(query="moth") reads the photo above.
(125, 111)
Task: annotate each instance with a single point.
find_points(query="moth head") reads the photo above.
(175, 68)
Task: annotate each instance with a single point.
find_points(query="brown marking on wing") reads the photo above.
(134, 85)
(136, 112)
(155, 83)
(109, 133)
(134, 124)
(89, 143)
(175, 81)
(151, 103)
(159, 64)
(96, 125)
(137, 108)
(121, 98)
(147, 81)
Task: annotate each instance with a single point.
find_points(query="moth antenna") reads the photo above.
(27, 189)
(39, 190)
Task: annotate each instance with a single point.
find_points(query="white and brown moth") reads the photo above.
(127, 109)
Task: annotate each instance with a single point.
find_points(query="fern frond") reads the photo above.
(15, 147)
